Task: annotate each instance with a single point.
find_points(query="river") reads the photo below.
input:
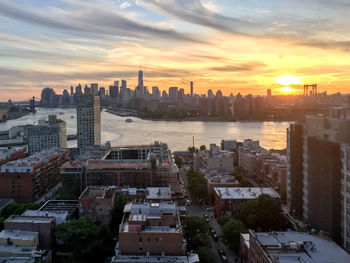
(177, 134)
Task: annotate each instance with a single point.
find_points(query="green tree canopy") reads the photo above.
(246, 183)
(18, 208)
(231, 231)
(263, 213)
(80, 236)
(206, 255)
(178, 161)
(202, 147)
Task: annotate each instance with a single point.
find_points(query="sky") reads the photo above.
(237, 46)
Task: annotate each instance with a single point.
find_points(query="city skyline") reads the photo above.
(235, 47)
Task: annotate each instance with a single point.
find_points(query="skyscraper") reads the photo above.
(88, 121)
(191, 88)
(140, 79)
(94, 89)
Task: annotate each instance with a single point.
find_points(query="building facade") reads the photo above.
(88, 121)
(48, 134)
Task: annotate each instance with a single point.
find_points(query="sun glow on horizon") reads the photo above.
(288, 80)
(287, 90)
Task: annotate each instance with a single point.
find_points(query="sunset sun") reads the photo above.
(288, 80)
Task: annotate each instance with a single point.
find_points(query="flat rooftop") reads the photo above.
(60, 205)
(61, 216)
(158, 193)
(151, 209)
(244, 192)
(17, 234)
(191, 258)
(288, 247)
(29, 219)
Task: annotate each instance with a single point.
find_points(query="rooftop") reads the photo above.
(244, 192)
(17, 234)
(286, 247)
(97, 192)
(151, 209)
(29, 219)
(61, 216)
(191, 258)
(60, 205)
(158, 193)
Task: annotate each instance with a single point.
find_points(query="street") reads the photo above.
(200, 210)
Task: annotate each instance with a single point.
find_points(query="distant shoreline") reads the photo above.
(199, 119)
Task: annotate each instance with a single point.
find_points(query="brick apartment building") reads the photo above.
(11, 154)
(28, 179)
(97, 202)
(44, 225)
(151, 229)
(228, 200)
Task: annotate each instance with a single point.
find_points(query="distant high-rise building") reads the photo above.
(191, 88)
(87, 90)
(140, 79)
(269, 93)
(155, 92)
(210, 94)
(71, 90)
(116, 83)
(78, 90)
(48, 134)
(47, 96)
(88, 121)
(113, 91)
(124, 84)
(102, 92)
(173, 92)
(94, 89)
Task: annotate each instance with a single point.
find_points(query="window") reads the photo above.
(140, 239)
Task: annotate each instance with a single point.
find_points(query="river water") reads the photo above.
(177, 134)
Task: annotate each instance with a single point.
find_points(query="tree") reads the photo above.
(18, 208)
(231, 231)
(117, 213)
(263, 213)
(196, 233)
(206, 255)
(202, 147)
(192, 149)
(81, 237)
(222, 220)
(196, 224)
(197, 185)
(178, 161)
(246, 183)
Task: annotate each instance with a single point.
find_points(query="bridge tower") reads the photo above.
(32, 105)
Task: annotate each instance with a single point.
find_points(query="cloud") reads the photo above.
(125, 4)
(193, 11)
(91, 19)
(237, 68)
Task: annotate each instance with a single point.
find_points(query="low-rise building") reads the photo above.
(54, 206)
(28, 179)
(228, 200)
(61, 216)
(130, 166)
(15, 254)
(151, 231)
(216, 178)
(247, 155)
(43, 225)
(19, 238)
(272, 170)
(97, 202)
(286, 247)
(8, 154)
